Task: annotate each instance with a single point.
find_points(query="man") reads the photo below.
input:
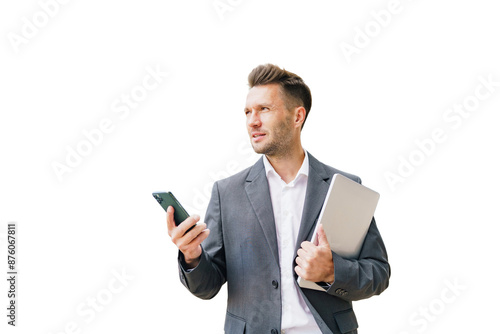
(258, 224)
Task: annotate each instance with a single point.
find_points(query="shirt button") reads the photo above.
(274, 331)
(275, 284)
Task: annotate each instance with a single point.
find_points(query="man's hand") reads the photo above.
(315, 263)
(188, 243)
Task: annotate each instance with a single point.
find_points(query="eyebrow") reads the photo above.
(260, 106)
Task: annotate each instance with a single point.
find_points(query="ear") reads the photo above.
(300, 117)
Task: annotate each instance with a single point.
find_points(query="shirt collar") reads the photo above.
(304, 169)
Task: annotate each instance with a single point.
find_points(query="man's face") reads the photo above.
(270, 124)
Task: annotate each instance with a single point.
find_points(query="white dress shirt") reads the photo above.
(288, 204)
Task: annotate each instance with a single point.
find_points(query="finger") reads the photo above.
(170, 219)
(299, 271)
(302, 263)
(307, 246)
(322, 239)
(187, 247)
(187, 241)
(187, 224)
(302, 253)
(193, 233)
(201, 237)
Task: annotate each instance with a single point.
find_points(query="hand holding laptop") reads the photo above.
(314, 261)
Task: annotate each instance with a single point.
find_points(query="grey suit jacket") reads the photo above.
(242, 250)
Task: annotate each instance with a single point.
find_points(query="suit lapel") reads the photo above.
(257, 189)
(317, 188)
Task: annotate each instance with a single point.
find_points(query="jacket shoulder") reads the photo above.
(240, 177)
(323, 169)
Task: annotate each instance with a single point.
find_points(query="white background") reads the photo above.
(73, 234)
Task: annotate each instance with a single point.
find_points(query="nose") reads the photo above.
(253, 120)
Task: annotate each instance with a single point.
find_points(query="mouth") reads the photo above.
(257, 136)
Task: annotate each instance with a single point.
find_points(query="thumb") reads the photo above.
(170, 218)
(322, 240)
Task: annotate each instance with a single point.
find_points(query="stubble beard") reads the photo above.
(280, 144)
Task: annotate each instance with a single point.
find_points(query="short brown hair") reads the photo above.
(295, 91)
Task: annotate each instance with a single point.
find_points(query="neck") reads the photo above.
(287, 166)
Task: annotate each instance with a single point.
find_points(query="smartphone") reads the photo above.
(167, 199)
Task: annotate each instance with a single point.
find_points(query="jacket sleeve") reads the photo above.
(206, 279)
(365, 276)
